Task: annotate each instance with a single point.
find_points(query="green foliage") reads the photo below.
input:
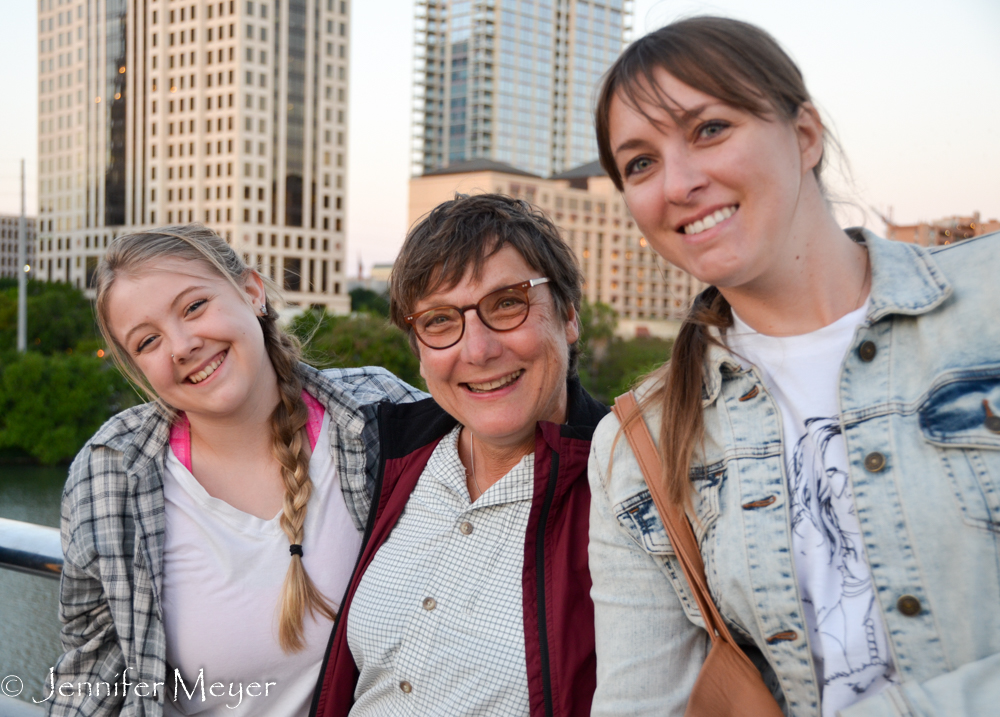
(622, 364)
(368, 301)
(59, 316)
(597, 327)
(610, 366)
(51, 405)
(362, 339)
(55, 396)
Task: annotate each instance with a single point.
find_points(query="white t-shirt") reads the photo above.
(222, 575)
(848, 639)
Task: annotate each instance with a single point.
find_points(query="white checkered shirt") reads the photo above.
(437, 623)
(112, 537)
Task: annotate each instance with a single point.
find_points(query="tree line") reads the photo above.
(58, 393)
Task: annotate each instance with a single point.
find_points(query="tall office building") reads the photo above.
(511, 80)
(232, 113)
(9, 265)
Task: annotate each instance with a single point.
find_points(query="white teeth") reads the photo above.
(493, 385)
(207, 371)
(719, 215)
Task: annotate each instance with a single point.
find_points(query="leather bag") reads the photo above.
(728, 683)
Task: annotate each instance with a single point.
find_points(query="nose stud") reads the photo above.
(171, 355)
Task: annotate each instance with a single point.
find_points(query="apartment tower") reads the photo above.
(232, 113)
(511, 80)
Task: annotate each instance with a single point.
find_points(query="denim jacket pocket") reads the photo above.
(961, 418)
(641, 520)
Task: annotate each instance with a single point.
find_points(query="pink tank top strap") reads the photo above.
(180, 431)
(315, 420)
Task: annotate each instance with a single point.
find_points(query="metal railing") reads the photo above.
(36, 550)
(10, 707)
(30, 548)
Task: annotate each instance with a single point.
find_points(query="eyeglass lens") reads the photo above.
(502, 310)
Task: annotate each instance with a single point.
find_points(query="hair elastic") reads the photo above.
(295, 549)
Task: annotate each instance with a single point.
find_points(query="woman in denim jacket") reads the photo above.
(830, 419)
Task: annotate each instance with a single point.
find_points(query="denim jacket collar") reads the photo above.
(905, 280)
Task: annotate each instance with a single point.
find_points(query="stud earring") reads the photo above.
(263, 309)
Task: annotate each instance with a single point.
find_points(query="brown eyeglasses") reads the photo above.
(502, 310)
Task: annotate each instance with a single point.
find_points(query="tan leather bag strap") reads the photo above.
(674, 520)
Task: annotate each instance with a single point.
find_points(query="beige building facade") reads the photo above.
(232, 113)
(649, 295)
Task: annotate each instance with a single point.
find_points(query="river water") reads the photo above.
(29, 620)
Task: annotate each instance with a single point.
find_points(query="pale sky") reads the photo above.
(911, 88)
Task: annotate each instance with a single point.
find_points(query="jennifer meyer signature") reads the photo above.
(12, 686)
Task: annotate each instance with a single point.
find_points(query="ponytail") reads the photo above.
(290, 448)
(678, 392)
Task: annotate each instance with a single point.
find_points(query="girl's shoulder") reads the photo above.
(356, 388)
(124, 439)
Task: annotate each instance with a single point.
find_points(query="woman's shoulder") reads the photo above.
(607, 429)
(613, 463)
(971, 262)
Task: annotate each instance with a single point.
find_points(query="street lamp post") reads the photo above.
(22, 274)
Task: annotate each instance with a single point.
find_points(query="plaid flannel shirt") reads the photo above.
(112, 538)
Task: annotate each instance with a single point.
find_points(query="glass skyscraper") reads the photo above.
(511, 80)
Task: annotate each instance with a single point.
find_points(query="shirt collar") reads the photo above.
(905, 280)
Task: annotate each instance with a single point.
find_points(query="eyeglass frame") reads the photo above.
(521, 285)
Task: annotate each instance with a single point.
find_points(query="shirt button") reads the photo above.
(909, 605)
(430, 603)
(867, 351)
(874, 461)
(465, 528)
(406, 687)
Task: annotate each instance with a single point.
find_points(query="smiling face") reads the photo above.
(195, 338)
(720, 195)
(499, 385)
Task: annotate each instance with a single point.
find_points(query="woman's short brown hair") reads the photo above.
(466, 231)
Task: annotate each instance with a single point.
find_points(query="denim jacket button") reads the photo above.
(874, 462)
(908, 605)
(867, 351)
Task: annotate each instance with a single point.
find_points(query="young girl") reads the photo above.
(830, 418)
(209, 535)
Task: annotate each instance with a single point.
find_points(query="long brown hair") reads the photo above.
(131, 253)
(745, 67)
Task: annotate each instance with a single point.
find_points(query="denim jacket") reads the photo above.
(919, 394)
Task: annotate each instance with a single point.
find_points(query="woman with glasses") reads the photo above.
(472, 593)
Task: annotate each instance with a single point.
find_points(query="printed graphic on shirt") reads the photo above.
(847, 627)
